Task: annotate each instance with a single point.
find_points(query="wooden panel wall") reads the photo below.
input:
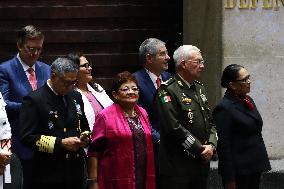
(109, 32)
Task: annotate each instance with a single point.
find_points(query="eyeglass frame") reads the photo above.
(244, 80)
(199, 62)
(86, 65)
(127, 89)
(67, 83)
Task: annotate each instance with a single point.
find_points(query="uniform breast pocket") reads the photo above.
(52, 119)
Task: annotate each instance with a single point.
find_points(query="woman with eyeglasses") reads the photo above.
(121, 149)
(94, 96)
(241, 149)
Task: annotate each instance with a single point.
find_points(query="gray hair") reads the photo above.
(149, 46)
(184, 52)
(63, 65)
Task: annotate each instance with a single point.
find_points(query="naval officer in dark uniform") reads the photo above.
(52, 119)
(188, 136)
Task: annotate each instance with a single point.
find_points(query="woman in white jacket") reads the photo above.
(94, 96)
(5, 137)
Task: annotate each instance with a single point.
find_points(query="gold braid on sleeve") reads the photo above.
(46, 143)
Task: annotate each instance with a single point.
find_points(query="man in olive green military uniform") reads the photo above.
(188, 136)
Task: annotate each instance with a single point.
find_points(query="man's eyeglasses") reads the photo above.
(33, 50)
(68, 83)
(244, 80)
(86, 65)
(199, 62)
(127, 89)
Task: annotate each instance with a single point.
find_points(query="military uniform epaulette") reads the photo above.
(198, 82)
(168, 82)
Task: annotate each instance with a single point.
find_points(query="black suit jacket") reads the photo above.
(241, 148)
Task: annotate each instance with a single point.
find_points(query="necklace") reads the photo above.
(132, 116)
(133, 121)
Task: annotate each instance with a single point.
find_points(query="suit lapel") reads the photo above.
(22, 75)
(65, 113)
(252, 113)
(71, 104)
(164, 77)
(189, 92)
(39, 75)
(239, 106)
(148, 82)
(55, 102)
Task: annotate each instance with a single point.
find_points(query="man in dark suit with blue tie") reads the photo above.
(154, 57)
(18, 77)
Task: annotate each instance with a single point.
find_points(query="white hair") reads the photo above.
(184, 52)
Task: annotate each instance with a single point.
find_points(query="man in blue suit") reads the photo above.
(18, 77)
(154, 57)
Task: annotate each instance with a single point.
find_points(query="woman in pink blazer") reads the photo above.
(121, 150)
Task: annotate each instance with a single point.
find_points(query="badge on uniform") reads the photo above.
(190, 116)
(50, 125)
(78, 108)
(165, 99)
(162, 93)
(186, 100)
(54, 113)
(203, 97)
(180, 83)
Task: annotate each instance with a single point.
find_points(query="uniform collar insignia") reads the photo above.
(180, 83)
(162, 93)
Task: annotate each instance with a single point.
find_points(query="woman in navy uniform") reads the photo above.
(241, 150)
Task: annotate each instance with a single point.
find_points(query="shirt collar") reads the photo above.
(188, 84)
(48, 84)
(25, 66)
(153, 76)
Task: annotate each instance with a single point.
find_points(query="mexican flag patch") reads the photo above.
(165, 99)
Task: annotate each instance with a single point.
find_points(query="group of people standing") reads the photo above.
(155, 130)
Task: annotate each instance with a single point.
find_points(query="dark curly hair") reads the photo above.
(122, 78)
